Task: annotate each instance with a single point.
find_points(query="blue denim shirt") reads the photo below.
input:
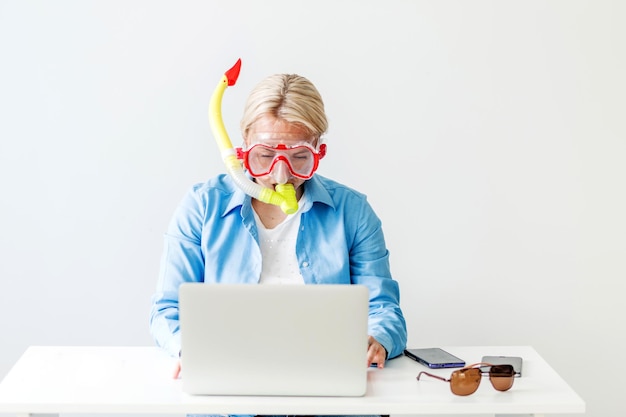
(213, 237)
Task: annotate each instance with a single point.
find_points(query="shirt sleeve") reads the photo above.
(369, 265)
(181, 261)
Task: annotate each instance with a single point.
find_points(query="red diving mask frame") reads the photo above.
(301, 159)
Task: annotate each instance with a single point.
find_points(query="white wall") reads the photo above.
(489, 136)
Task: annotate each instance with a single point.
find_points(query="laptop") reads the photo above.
(287, 340)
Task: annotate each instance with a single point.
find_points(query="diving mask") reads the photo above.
(301, 159)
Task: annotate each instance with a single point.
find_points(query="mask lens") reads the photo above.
(301, 160)
(260, 160)
(465, 381)
(501, 377)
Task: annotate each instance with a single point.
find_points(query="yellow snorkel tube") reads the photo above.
(285, 194)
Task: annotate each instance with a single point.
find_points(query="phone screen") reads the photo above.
(435, 358)
(516, 361)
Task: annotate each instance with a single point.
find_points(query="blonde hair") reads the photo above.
(289, 97)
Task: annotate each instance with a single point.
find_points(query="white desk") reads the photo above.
(53, 380)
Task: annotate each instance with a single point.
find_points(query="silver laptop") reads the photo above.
(304, 340)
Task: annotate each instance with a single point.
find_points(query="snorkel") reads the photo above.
(285, 194)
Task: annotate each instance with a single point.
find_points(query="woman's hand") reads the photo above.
(176, 373)
(376, 353)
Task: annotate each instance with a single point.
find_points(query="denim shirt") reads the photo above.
(213, 237)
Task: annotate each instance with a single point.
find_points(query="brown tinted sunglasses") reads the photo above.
(465, 381)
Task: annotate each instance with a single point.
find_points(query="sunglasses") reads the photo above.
(465, 381)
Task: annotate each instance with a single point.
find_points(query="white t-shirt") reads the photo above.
(278, 250)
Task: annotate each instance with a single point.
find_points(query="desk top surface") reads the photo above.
(89, 379)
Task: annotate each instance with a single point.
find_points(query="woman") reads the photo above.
(219, 234)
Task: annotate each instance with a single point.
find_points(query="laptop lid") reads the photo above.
(305, 340)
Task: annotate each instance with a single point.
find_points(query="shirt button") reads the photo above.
(305, 264)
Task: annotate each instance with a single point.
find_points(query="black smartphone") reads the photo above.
(434, 358)
(516, 361)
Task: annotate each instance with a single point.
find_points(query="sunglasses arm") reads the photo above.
(432, 376)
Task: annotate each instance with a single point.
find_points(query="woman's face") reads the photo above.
(271, 131)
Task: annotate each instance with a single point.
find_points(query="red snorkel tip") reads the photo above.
(233, 73)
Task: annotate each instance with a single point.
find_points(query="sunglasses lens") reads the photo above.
(465, 382)
(501, 377)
